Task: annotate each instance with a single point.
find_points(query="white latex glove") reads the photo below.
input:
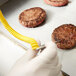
(45, 64)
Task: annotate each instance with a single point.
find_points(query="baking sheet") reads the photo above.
(56, 16)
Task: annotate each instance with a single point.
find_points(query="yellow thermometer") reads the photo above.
(26, 39)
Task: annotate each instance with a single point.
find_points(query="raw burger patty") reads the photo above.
(32, 17)
(56, 3)
(65, 36)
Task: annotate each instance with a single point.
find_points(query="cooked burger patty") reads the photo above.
(32, 17)
(65, 36)
(56, 3)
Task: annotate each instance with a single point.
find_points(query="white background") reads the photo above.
(56, 16)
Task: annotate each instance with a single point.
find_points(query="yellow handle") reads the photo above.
(29, 40)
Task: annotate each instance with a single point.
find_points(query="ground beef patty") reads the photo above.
(65, 36)
(32, 17)
(57, 3)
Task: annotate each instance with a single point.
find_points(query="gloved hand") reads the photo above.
(45, 64)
